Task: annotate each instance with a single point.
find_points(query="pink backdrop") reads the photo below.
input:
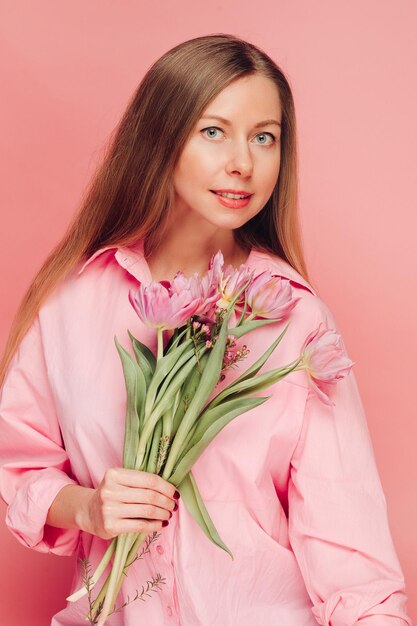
(68, 71)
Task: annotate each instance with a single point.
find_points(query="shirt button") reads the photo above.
(169, 611)
(159, 549)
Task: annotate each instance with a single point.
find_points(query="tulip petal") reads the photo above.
(325, 360)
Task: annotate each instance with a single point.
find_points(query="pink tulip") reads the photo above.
(211, 282)
(216, 267)
(159, 306)
(270, 296)
(324, 360)
(211, 287)
(231, 282)
(206, 288)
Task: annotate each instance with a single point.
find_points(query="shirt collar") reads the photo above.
(94, 256)
(132, 259)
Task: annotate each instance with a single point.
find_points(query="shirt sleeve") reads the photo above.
(338, 524)
(34, 465)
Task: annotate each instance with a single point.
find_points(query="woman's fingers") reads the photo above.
(145, 511)
(131, 495)
(130, 501)
(113, 528)
(139, 526)
(144, 480)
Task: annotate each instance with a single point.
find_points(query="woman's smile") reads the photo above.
(232, 201)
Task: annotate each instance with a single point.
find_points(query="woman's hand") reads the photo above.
(129, 501)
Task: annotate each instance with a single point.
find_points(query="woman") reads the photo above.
(293, 486)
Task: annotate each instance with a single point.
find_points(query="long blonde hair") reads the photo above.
(130, 194)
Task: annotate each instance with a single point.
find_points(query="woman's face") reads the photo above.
(242, 154)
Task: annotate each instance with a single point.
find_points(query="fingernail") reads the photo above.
(175, 506)
(165, 522)
(170, 514)
(176, 495)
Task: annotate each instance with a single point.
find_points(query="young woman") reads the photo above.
(292, 486)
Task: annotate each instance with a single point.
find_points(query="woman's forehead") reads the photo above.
(251, 93)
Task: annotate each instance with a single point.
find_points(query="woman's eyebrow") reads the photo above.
(228, 122)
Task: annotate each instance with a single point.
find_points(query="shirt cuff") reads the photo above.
(382, 603)
(27, 513)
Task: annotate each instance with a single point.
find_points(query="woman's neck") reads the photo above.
(171, 257)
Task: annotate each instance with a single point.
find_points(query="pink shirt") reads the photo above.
(291, 486)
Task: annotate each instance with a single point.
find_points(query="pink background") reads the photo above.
(68, 71)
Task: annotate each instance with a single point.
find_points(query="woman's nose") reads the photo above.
(240, 159)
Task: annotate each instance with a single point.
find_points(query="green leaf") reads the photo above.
(165, 396)
(163, 367)
(255, 367)
(208, 381)
(144, 357)
(212, 421)
(255, 385)
(187, 392)
(143, 466)
(132, 422)
(176, 338)
(154, 411)
(239, 331)
(249, 373)
(184, 359)
(196, 507)
(263, 381)
(154, 449)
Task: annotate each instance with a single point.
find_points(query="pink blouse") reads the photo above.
(291, 486)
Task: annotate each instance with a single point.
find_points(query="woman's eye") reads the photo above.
(264, 135)
(211, 128)
(215, 128)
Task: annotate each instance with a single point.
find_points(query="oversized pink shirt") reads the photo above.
(291, 486)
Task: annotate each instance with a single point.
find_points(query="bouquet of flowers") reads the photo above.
(170, 415)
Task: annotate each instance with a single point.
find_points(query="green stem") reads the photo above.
(167, 419)
(100, 598)
(302, 365)
(131, 557)
(152, 460)
(137, 543)
(97, 574)
(137, 540)
(122, 550)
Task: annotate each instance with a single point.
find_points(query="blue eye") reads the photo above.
(273, 138)
(264, 135)
(210, 128)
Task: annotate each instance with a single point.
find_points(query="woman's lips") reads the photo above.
(231, 203)
(237, 192)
